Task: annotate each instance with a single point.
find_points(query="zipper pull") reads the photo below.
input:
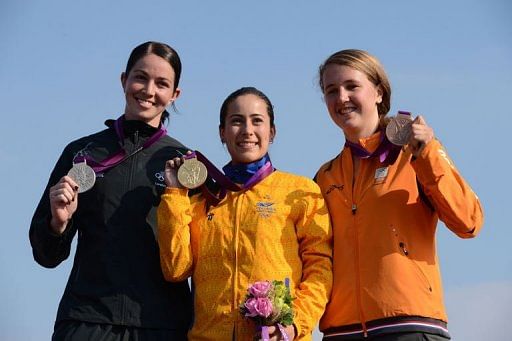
(404, 249)
(354, 209)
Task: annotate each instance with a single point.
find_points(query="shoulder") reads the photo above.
(293, 181)
(328, 166)
(168, 141)
(83, 142)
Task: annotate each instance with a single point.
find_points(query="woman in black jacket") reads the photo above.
(107, 187)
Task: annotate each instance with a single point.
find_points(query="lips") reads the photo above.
(247, 144)
(346, 110)
(144, 102)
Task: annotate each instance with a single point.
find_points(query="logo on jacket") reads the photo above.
(381, 174)
(265, 208)
(333, 187)
(160, 179)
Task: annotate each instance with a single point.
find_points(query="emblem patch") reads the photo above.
(265, 208)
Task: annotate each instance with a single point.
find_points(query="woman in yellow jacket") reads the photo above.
(385, 202)
(274, 229)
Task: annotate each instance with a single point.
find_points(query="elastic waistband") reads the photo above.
(398, 324)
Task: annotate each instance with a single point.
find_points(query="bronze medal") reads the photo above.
(83, 175)
(192, 173)
(399, 129)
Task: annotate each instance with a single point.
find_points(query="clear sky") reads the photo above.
(451, 61)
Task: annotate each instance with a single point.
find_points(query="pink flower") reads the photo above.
(260, 306)
(260, 289)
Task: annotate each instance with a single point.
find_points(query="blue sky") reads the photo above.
(451, 61)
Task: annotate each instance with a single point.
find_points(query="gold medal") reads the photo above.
(399, 129)
(192, 173)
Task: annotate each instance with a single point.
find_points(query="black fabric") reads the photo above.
(78, 331)
(116, 277)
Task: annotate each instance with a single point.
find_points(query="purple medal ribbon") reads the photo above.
(386, 151)
(224, 182)
(116, 158)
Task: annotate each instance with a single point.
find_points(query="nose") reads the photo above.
(248, 128)
(343, 95)
(149, 88)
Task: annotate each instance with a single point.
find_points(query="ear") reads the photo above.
(221, 134)
(273, 133)
(123, 81)
(176, 94)
(379, 94)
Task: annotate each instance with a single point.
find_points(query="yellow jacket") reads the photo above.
(278, 229)
(385, 263)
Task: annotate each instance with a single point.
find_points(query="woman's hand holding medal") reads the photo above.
(63, 203)
(185, 171)
(402, 130)
(421, 134)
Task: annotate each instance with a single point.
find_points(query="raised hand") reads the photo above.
(63, 203)
(421, 134)
(171, 170)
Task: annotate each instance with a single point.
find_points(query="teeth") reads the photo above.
(345, 110)
(247, 144)
(144, 101)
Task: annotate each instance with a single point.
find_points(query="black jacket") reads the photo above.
(116, 276)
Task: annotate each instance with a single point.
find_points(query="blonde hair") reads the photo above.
(369, 65)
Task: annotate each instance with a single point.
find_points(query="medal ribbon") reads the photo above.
(386, 151)
(224, 182)
(116, 158)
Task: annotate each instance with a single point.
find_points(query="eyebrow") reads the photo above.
(235, 114)
(348, 81)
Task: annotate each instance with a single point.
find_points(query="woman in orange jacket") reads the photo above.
(385, 201)
(276, 227)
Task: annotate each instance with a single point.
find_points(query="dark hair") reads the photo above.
(249, 90)
(367, 64)
(161, 50)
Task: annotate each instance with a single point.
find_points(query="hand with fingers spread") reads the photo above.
(63, 203)
(171, 171)
(421, 134)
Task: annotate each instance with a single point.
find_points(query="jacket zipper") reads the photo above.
(357, 266)
(129, 185)
(235, 251)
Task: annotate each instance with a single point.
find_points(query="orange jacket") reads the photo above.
(385, 263)
(275, 230)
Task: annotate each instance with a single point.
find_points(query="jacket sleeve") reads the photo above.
(48, 248)
(315, 246)
(454, 201)
(174, 235)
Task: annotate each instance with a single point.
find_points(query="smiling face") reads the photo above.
(351, 100)
(247, 131)
(149, 89)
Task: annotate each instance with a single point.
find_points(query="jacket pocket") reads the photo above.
(421, 274)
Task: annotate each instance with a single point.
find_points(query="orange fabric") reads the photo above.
(385, 261)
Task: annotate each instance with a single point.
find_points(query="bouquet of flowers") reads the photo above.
(268, 303)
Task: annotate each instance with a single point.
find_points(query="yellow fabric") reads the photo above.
(385, 262)
(278, 229)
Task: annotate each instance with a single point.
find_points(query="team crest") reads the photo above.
(265, 208)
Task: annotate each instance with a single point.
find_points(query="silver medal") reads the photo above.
(83, 175)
